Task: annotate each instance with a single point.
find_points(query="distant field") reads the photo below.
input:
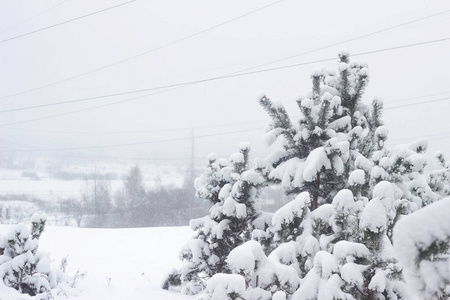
(42, 184)
(47, 189)
(25, 191)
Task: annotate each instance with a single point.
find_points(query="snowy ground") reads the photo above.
(136, 260)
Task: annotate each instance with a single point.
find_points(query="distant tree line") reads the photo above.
(133, 205)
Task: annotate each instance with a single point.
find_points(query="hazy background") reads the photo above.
(150, 44)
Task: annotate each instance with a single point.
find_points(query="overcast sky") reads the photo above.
(147, 44)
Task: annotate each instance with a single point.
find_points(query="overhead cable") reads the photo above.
(418, 103)
(144, 143)
(33, 17)
(348, 40)
(65, 22)
(146, 52)
(186, 83)
(216, 26)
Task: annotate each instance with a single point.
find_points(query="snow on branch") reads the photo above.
(421, 241)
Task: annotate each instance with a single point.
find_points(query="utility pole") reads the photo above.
(192, 164)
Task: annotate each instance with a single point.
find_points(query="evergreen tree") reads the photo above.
(326, 148)
(341, 245)
(334, 129)
(232, 189)
(23, 267)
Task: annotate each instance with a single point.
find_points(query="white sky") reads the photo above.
(278, 31)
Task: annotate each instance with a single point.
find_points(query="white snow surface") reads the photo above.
(211, 157)
(352, 273)
(357, 177)
(271, 136)
(343, 249)
(316, 160)
(343, 201)
(250, 261)
(120, 263)
(279, 296)
(363, 163)
(220, 285)
(237, 158)
(374, 216)
(252, 177)
(259, 95)
(289, 211)
(245, 258)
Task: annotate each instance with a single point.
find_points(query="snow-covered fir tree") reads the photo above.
(325, 148)
(341, 243)
(231, 187)
(23, 267)
(335, 127)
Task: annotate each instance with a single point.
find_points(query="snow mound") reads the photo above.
(220, 286)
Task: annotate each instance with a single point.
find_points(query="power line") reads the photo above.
(143, 143)
(348, 40)
(140, 131)
(34, 149)
(180, 85)
(33, 17)
(209, 135)
(221, 77)
(429, 137)
(216, 26)
(91, 98)
(80, 110)
(146, 52)
(417, 103)
(418, 97)
(203, 158)
(443, 135)
(65, 22)
(199, 127)
(190, 128)
(17, 144)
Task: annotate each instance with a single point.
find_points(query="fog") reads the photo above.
(108, 110)
(144, 45)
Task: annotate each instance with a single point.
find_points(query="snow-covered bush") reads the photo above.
(23, 267)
